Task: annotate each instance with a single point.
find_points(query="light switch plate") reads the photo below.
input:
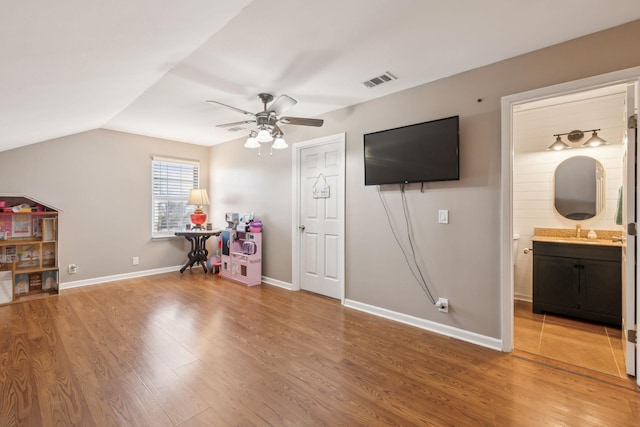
(443, 216)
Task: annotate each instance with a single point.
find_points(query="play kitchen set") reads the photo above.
(28, 249)
(241, 242)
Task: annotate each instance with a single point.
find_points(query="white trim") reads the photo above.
(449, 331)
(133, 275)
(506, 202)
(295, 214)
(522, 297)
(175, 160)
(278, 283)
(115, 277)
(339, 138)
(506, 231)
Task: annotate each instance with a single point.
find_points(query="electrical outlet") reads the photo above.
(136, 260)
(443, 305)
(73, 268)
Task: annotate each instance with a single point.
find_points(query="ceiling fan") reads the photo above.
(268, 119)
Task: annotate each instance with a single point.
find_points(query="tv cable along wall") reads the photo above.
(422, 152)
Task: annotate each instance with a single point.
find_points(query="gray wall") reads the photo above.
(101, 182)
(242, 181)
(462, 258)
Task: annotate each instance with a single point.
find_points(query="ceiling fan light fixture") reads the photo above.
(252, 142)
(280, 143)
(264, 136)
(267, 120)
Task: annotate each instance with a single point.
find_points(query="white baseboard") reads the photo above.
(105, 279)
(278, 283)
(133, 275)
(521, 297)
(461, 334)
(449, 331)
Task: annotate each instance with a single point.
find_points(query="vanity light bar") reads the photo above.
(576, 136)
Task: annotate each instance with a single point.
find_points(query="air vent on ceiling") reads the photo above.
(376, 81)
(235, 129)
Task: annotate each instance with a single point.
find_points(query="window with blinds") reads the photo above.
(171, 180)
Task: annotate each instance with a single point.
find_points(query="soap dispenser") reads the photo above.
(592, 234)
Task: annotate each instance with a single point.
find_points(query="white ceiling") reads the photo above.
(535, 123)
(147, 66)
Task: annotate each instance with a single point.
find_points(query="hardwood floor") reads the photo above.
(196, 350)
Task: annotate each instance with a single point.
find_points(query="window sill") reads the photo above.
(164, 236)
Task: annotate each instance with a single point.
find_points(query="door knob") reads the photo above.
(302, 227)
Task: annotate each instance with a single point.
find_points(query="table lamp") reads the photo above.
(198, 197)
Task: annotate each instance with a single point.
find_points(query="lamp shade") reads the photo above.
(594, 141)
(264, 136)
(252, 142)
(280, 143)
(558, 145)
(198, 197)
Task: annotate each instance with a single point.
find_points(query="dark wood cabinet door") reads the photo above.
(555, 281)
(601, 287)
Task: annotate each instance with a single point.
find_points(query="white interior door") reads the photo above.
(320, 225)
(630, 295)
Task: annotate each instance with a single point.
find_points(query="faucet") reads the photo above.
(578, 230)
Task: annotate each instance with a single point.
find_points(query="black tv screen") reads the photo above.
(423, 152)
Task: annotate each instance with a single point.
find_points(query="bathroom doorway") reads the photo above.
(532, 122)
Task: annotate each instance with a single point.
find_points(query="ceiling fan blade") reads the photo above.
(301, 121)
(282, 104)
(228, 125)
(233, 108)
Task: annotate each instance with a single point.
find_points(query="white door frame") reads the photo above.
(506, 206)
(295, 194)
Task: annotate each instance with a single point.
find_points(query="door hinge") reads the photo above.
(633, 122)
(632, 229)
(632, 336)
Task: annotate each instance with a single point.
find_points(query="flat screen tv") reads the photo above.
(423, 152)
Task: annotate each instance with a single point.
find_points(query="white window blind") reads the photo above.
(171, 180)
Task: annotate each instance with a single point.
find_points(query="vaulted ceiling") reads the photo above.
(147, 66)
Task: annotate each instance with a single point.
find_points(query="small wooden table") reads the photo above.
(198, 253)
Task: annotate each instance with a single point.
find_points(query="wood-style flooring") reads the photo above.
(583, 344)
(195, 350)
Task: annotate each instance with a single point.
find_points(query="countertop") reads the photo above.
(576, 241)
(568, 235)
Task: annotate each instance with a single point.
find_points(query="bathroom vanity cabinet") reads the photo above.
(582, 281)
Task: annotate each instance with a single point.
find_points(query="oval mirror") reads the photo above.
(579, 188)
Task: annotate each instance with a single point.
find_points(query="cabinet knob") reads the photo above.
(302, 227)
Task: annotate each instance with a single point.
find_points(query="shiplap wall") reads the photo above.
(534, 170)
